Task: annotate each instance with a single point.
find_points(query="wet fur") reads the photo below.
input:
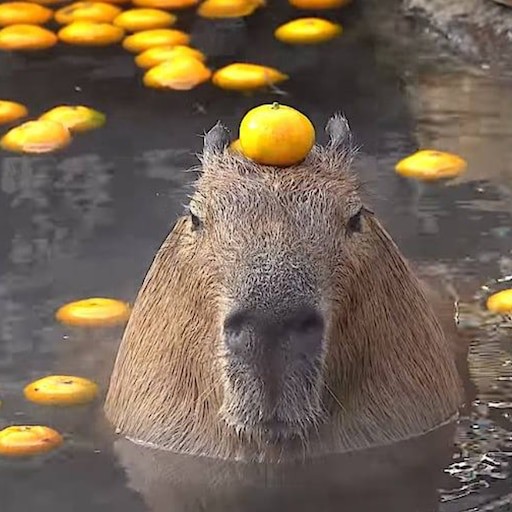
(386, 373)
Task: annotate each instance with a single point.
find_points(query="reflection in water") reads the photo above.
(467, 114)
(47, 195)
(399, 478)
(163, 164)
(54, 205)
(484, 435)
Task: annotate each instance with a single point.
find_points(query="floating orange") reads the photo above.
(25, 440)
(319, 4)
(135, 20)
(307, 31)
(90, 33)
(182, 73)
(76, 118)
(141, 41)
(48, 2)
(500, 302)
(26, 38)
(41, 136)
(242, 76)
(166, 4)
(94, 312)
(15, 13)
(276, 135)
(154, 56)
(100, 12)
(61, 390)
(430, 165)
(11, 111)
(227, 8)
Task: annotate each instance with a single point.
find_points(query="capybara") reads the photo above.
(279, 321)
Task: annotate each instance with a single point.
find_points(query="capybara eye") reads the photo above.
(355, 223)
(196, 221)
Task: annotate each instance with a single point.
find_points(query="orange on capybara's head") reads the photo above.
(279, 320)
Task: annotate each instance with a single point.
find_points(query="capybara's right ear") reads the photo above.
(338, 130)
(216, 140)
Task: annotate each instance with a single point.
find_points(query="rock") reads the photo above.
(508, 3)
(479, 29)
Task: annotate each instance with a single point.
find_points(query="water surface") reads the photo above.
(87, 221)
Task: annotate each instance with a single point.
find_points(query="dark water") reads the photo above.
(88, 220)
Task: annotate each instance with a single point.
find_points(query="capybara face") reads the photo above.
(275, 238)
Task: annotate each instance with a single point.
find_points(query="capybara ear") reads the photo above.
(216, 139)
(338, 130)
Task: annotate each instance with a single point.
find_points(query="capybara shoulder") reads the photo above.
(279, 320)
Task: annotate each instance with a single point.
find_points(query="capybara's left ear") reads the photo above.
(338, 130)
(216, 140)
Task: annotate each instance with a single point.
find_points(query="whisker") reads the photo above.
(334, 396)
(206, 393)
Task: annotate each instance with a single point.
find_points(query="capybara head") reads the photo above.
(274, 239)
(278, 318)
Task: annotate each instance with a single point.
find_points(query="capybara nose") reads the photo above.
(250, 332)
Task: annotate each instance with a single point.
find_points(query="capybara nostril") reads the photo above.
(306, 331)
(238, 326)
(248, 332)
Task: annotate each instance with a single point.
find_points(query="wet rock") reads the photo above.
(508, 3)
(480, 29)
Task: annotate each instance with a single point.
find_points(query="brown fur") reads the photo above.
(387, 369)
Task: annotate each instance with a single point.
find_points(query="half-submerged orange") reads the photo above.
(319, 4)
(226, 8)
(307, 31)
(48, 2)
(27, 440)
(40, 136)
(154, 56)
(431, 165)
(166, 4)
(181, 74)
(90, 33)
(500, 302)
(94, 312)
(141, 41)
(76, 118)
(135, 20)
(243, 76)
(11, 111)
(62, 390)
(26, 38)
(15, 13)
(100, 12)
